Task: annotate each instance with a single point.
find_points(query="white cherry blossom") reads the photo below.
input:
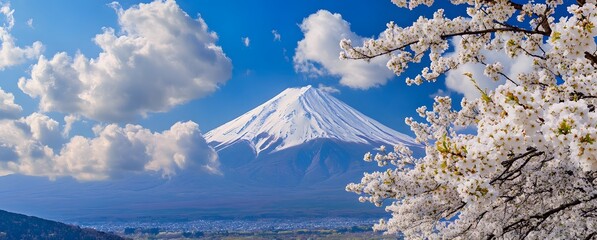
(529, 170)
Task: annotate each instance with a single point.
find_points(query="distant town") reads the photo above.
(327, 228)
(232, 225)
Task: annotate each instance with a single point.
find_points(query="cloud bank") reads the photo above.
(8, 107)
(117, 150)
(161, 58)
(10, 53)
(318, 53)
(34, 145)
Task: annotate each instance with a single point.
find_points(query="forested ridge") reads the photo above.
(18, 226)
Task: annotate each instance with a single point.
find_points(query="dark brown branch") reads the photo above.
(542, 217)
(581, 2)
(499, 72)
(516, 6)
(455, 210)
(493, 30)
(579, 95)
(591, 235)
(479, 218)
(534, 55)
(543, 22)
(446, 36)
(509, 163)
(562, 207)
(592, 58)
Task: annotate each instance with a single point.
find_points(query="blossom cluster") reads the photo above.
(529, 170)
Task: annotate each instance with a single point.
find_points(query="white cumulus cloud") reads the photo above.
(8, 107)
(34, 145)
(24, 145)
(318, 53)
(159, 59)
(118, 150)
(69, 120)
(10, 53)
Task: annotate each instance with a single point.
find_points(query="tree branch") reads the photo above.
(591, 235)
(581, 2)
(542, 217)
(592, 58)
(446, 36)
(509, 163)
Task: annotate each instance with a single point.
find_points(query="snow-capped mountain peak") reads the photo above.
(299, 115)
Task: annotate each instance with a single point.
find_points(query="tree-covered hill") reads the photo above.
(18, 226)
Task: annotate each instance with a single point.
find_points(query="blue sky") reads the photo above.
(108, 64)
(259, 72)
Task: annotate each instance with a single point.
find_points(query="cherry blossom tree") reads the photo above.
(530, 168)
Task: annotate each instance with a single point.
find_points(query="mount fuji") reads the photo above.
(301, 136)
(299, 115)
(292, 156)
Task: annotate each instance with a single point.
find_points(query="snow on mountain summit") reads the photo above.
(298, 115)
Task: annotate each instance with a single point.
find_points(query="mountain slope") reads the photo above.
(302, 136)
(299, 115)
(18, 226)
